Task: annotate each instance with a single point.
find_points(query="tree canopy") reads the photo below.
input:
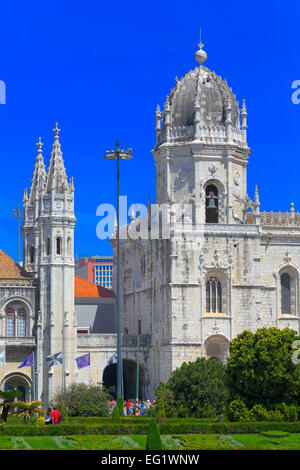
(260, 367)
(198, 389)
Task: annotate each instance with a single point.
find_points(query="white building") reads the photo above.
(220, 266)
(230, 267)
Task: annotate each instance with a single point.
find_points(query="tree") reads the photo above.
(84, 400)
(198, 389)
(260, 369)
(8, 397)
(116, 415)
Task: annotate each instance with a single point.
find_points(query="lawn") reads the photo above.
(137, 442)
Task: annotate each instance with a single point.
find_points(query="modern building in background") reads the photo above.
(97, 269)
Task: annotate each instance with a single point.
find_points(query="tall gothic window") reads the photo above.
(285, 282)
(213, 295)
(58, 246)
(31, 254)
(211, 205)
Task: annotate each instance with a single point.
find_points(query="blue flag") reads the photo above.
(29, 360)
(83, 361)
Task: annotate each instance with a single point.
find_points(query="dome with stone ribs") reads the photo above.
(204, 99)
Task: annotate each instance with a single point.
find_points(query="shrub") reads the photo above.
(116, 415)
(289, 413)
(275, 415)
(259, 413)
(153, 437)
(237, 411)
(84, 400)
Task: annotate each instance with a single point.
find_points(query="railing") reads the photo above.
(95, 340)
(280, 218)
(17, 341)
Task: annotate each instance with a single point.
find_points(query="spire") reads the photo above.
(256, 197)
(39, 175)
(57, 178)
(244, 121)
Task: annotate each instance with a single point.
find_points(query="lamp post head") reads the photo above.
(118, 153)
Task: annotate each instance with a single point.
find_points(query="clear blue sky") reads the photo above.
(100, 68)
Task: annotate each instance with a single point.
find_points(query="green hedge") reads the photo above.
(71, 429)
(181, 427)
(227, 428)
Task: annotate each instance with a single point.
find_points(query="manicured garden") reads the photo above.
(252, 402)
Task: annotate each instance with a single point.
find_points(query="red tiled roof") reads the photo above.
(84, 288)
(9, 269)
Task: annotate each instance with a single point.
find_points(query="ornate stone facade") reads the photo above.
(225, 267)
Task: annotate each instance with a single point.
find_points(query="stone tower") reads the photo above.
(48, 252)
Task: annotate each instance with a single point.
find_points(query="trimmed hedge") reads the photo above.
(228, 428)
(167, 427)
(69, 430)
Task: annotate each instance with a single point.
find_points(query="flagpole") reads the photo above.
(33, 375)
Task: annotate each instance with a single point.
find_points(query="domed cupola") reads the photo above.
(201, 107)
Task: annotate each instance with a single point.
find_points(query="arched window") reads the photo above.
(285, 282)
(10, 322)
(211, 205)
(213, 295)
(21, 322)
(15, 320)
(58, 246)
(31, 254)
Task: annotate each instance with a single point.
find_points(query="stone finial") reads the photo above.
(200, 55)
(56, 130)
(39, 145)
(256, 197)
(132, 215)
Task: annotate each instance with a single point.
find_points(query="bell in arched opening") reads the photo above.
(211, 205)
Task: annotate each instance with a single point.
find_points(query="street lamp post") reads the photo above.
(118, 154)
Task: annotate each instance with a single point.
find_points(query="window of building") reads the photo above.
(213, 295)
(211, 205)
(285, 281)
(10, 322)
(58, 246)
(15, 321)
(31, 254)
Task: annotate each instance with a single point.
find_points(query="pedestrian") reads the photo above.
(48, 419)
(55, 415)
(128, 404)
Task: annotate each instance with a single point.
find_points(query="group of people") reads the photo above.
(134, 408)
(53, 416)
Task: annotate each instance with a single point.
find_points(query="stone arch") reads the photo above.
(109, 378)
(19, 381)
(216, 347)
(25, 304)
(218, 184)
